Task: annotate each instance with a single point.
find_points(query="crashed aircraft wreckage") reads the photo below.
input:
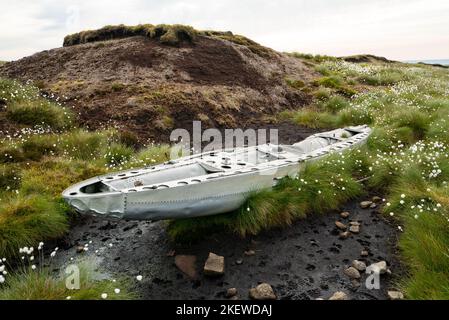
(204, 184)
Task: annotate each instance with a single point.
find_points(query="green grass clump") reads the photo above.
(118, 154)
(25, 106)
(315, 58)
(313, 119)
(385, 77)
(42, 284)
(330, 82)
(322, 94)
(417, 121)
(295, 83)
(10, 177)
(82, 144)
(335, 104)
(53, 176)
(26, 220)
(166, 34)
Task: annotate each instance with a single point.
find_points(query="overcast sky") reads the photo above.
(397, 29)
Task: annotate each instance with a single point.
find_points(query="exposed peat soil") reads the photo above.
(304, 261)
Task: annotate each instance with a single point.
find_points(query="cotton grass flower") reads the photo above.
(117, 290)
(104, 296)
(139, 278)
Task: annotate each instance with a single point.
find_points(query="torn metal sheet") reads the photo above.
(204, 184)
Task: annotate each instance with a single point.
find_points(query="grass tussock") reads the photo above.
(166, 34)
(26, 220)
(26, 106)
(43, 284)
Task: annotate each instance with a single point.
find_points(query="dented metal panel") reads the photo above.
(206, 184)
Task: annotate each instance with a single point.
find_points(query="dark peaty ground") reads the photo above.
(304, 261)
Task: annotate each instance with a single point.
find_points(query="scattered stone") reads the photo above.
(262, 292)
(352, 273)
(344, 214)
(354, 223)
(79, 249)
(395, 295)
(344, 235)
(364, 253)
(239, 262)
(354, 229)
(234, 298)
(373, 206)
(359, 265)
(340, 225)
(250, 253)
(339, 295)
(376, 199)
(355, 283)
(365, 204)
(379, 267)
(214, 265)
(187, 264)
(231, 292)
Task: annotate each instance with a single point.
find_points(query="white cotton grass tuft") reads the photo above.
(117, 290)
(104, 296)
(139, 278)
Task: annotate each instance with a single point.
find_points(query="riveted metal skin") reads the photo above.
(204, 184)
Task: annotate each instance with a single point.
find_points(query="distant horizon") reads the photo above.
(396, 29)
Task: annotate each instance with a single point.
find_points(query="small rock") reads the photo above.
(359, 265)
(79, 249)
(250, 253)
(262, 292)
(344, 235)
(187, 264)
(344, 214)
(354, 229)
(365, 204)
(214, 265)
(364, 253)
(339, 295)
(234, 298)
(340, 225)
(352, 273)
(354, 223)
(373, 206)
(231, 292)
(379, 267)
(239, 262)
(355, 283)
(395, 295)
(376, 199)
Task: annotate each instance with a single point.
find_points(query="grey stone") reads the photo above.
(365, 204)
(263, 291)
(359, 265)
(340, 225)
(352, 273)
(339, 295)
(214, 265)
